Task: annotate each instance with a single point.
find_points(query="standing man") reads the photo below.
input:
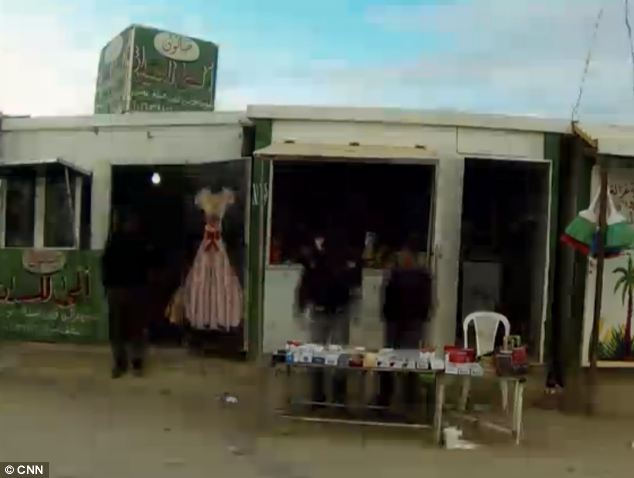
(125, 265)
(325, 289)
(406, 306)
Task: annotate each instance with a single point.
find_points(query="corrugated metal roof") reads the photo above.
(613, 140)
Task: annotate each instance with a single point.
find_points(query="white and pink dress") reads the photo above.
(212, 292)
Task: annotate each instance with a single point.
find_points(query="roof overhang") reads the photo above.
(40, 166)
(322, 152)
(440, 118)
(608, 140)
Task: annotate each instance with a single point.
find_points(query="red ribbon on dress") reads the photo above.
(211, 238)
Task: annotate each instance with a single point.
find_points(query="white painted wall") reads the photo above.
(383, 134)
(97, 142)
(450, 145)
(511, 144)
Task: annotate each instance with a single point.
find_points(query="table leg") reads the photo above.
(464, 392)
(438, 409)
(361, 391)
(504, 388)
(518, 410)
(288, 393)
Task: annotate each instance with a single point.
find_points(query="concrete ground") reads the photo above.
(58, 404)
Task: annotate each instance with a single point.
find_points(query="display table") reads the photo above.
(439, 399)
(440, 379)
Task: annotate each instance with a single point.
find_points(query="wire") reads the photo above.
(575, 109)
(628, 25)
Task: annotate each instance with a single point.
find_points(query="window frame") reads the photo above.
(40, 210)
(270, 191)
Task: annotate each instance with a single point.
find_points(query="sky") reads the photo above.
(522, 57)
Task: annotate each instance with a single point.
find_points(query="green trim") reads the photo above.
(573, 355)
(260, 176)
(552, 152)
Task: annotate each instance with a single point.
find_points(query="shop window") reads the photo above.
(20, 212)
(36, 211)
(373, 208)
(59, 215)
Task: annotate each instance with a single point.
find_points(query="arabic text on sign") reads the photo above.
(176, 47)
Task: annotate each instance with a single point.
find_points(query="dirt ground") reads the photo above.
(58, 404)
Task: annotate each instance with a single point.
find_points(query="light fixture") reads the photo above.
(156, 179)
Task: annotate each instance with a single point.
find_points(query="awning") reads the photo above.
(10, 167)
(333, 151)
(611, 140)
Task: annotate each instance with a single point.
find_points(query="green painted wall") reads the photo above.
(81, 322)
(260, 176)
(552, 152)
(160, 71)
(113, 74)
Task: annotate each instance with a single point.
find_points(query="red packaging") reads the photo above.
(519, 356)
(461, 356)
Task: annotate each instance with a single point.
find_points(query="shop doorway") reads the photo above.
(373, 208)
(504, 244)
(173, 225)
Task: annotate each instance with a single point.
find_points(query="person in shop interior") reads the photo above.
(406, 308)
(125, 269)
(326, 291)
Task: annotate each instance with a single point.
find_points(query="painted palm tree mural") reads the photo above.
(618, 342)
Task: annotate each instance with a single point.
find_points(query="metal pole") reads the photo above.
(594, 338)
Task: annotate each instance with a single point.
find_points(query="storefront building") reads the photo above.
(60, 180)
(480, 192)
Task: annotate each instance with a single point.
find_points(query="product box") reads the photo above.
(451, 368)
(343, 360)
(383, 360)
(411, 364)
(318, 360)
(437, 363)
(307, 351)
(397, 363)
(477, 370)
(305, 356)
(422, 363)
(464, 369)
(424, 359)
(332, 358)
(369, 360)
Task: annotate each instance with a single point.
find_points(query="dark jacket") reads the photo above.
(407, 295)
(326, 281)
(125, 262)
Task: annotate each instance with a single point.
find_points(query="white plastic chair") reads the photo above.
(486, 326)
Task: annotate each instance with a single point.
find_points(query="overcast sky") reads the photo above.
(500, 56)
